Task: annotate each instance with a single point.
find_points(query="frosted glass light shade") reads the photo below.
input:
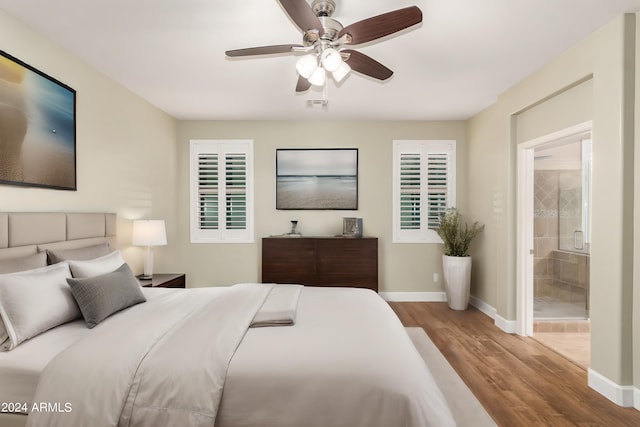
(318, 77)
(150, 232)
(331, 59)
(341, 72)
(307, 65)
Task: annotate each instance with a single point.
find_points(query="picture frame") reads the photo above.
(351, 227)
(317, 178)
(37, 128)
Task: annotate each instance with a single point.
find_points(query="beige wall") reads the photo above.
(563, 110)
(125, 147)
(636, 234)
(402, 267)
(492, 136)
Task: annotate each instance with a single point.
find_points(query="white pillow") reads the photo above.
(34, 301)
(13, 265)
(95, 267)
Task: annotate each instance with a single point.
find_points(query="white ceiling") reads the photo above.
(453, 65)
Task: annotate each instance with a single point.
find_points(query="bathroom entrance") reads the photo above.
(561, 242)
(555, 241)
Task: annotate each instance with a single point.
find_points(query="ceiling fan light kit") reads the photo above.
(341, 72)
(318, 78)
(331, 59)
(307, 65)
(326, 43)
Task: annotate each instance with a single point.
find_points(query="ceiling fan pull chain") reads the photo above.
(325, 98)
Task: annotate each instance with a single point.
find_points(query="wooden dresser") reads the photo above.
(321, 261)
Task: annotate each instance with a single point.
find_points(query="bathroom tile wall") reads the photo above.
(545, 238)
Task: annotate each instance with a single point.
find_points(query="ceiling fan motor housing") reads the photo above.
(331, 29)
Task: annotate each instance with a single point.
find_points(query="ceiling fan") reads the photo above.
(327, 43)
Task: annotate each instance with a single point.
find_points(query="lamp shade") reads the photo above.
(331, 59)
(317, 78)
(149, 232)
(307, 65)
(341, 72)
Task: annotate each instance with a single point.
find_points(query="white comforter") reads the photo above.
(346, 362)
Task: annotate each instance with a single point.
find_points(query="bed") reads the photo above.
(245, 355)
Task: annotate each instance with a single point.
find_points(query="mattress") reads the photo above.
(20, 368)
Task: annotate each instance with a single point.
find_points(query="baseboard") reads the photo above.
(414, 296)
(622, 395)
(483, 306)
(508, 326)
(636, 398)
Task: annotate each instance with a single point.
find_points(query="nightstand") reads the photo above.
(164, 281)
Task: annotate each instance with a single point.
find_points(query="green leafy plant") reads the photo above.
(456, 234)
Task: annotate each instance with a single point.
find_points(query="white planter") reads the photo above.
(457, 280)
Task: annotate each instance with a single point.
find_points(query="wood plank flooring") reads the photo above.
(518, 380)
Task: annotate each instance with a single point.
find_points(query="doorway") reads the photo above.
(554, 251)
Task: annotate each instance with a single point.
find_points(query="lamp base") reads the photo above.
(145, 277)
(147, 271)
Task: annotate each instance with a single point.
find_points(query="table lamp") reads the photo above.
(148, 233)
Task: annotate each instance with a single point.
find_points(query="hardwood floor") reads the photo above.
(518, 380)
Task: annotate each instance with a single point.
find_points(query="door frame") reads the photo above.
(525, 222)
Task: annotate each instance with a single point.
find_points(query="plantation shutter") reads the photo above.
(208, 191)
(221, 177)
(424, 186)
(410, 191)
(236, 191)
(437, 187)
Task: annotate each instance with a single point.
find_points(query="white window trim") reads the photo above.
(424, 234)
(221, 235)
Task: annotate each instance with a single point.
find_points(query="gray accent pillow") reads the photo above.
(101, 296)
(79, 254)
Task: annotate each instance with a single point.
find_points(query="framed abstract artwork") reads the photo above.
(37, 128)
(317, 179)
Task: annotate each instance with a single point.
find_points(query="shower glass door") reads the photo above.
(574, 188)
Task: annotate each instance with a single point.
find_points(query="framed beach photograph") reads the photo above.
(37, 128)
(317, 179)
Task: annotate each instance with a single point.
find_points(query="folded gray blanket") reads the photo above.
(279, 309)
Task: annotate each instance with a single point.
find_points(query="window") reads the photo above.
(221, 191)
(423, 187)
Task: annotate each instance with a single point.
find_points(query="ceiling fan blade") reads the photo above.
(366, 65)
(264, 50)
(302, 15)
(303, 84)
(382, 25)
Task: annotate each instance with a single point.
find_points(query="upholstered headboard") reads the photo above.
(24, 233)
